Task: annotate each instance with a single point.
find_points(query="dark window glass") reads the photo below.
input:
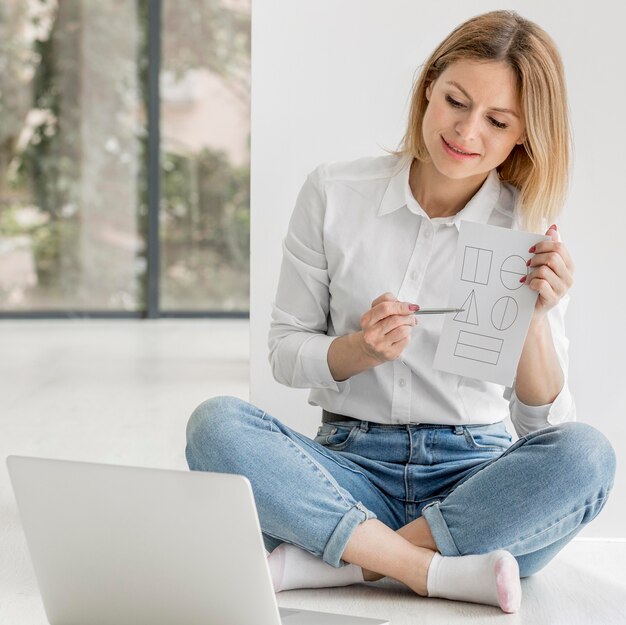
(205, 156)
(72, 117)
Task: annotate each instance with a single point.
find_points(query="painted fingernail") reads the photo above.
(528, 263)
(413, 307)
(523, 279)
(532, 249)
(553, 226)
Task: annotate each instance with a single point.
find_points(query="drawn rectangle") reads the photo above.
(476, 353)
(476, 265)
(479, 347)
(470, 261)
(480, 340)
(484, 266)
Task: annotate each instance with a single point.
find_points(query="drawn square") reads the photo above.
(476, 265)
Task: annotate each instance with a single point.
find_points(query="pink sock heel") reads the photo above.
(508, 583)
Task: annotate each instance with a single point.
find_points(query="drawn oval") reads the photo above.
(513, 268)
(504, 313)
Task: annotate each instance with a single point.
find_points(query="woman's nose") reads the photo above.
(467, 127)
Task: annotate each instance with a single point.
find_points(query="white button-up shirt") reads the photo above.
(357, 232)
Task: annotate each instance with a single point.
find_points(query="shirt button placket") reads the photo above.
(401, 401)
(418, 263)
(421, 257)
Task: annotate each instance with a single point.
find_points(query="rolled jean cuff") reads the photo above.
(439, 529)
(338, 540)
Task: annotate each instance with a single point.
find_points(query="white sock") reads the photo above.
(292, 567)
(491, 578)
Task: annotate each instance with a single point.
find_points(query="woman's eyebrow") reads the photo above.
(467, 95)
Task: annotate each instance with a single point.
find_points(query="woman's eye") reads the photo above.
(497, 124)
(453, 102)
(456, 104)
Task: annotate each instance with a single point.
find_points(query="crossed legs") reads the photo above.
(523, 501)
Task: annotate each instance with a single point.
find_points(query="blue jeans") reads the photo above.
(476, 490)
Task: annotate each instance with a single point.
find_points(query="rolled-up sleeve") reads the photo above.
(298, 343)
(526, 418)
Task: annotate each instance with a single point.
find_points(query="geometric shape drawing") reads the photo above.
(470, 314)
(476, 265)
(513, 268)
(478, 347)
(504, 313)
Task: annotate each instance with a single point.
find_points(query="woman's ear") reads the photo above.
(429, 90)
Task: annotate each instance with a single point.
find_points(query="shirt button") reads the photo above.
(427, 234)
(402, 383)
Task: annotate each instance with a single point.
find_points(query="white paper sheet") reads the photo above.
(485, 341)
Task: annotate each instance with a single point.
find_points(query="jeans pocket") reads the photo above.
(337, 436)
(489, 437)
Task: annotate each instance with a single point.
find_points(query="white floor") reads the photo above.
(121, 392)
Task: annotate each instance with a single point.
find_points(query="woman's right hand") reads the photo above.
(386, 328)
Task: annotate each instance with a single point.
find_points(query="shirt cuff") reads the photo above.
(313, 358)
(527, 419)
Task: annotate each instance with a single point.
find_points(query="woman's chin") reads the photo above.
(457, 171)
(452, 172)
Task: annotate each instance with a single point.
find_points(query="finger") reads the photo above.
(389, 324)
(551, 260)
(366, 318)
(554, 246)
(383, 341)
(552, 233)
(545, 290)
(398, 334)
(541, 275)
(387, 309)
(383, 298)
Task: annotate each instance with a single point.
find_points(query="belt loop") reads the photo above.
(458, 429)
(365, 425)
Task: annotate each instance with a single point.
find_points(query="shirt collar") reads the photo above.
(398, 194)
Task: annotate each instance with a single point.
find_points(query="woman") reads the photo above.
(412, 474)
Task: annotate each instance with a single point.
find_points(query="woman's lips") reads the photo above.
(455, 154)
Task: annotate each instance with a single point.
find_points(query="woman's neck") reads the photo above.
(438, 195)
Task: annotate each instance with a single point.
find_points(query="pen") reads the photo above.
(437, 311)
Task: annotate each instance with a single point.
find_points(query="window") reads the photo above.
(124, 158)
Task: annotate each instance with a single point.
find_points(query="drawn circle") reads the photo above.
(504, 313)
(513, 268)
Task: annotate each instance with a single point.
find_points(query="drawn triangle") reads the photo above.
(470, 314)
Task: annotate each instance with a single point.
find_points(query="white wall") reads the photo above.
(331, 80)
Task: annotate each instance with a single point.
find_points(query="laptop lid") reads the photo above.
(116, 545)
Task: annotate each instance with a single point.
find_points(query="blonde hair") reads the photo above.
(539, 167)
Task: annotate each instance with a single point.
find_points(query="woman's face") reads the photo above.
(463, 113)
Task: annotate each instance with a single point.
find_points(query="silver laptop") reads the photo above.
(117, 545)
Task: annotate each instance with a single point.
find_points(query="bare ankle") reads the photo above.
(418, 582)
(418, 532)
(371, 576)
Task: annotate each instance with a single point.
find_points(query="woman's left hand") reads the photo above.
(552, 272)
